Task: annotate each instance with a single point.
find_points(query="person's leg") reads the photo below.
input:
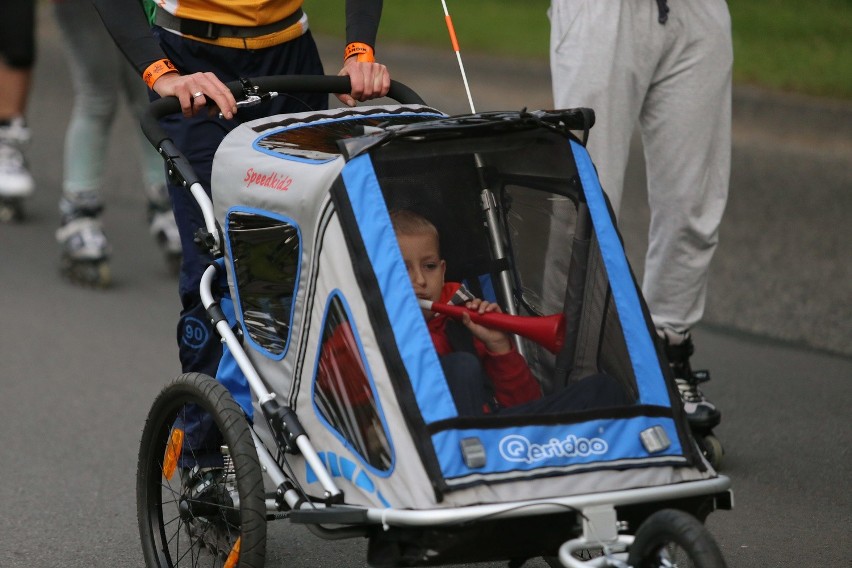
(599, 60)
(594, 391)
(90, 53)
(198, 138)
(17, 57)
(16, 86)
(686, 124)
(161, 220)
(686, 128)
(139, 99)
(466, 381)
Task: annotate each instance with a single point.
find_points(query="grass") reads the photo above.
(803, 47)
(795, 46)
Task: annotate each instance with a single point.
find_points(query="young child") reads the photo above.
(507, 379)
(484, 371)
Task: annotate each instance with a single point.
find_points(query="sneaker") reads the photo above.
(15, 178)
(700, 412)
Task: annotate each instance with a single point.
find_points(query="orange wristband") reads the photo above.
(362, 50)
(156, 70)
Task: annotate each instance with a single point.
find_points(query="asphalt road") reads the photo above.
(78, 367)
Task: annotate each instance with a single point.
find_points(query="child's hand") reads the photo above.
(495, 341)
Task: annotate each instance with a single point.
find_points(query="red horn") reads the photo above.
(547, 331)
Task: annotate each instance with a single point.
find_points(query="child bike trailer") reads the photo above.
(331, 407)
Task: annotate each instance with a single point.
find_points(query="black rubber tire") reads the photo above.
(170, 541)
(713, 451)
(678, 536)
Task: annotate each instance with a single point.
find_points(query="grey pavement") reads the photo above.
(783, 268)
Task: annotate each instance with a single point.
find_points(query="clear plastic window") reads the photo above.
(265, 254)
(343, 392)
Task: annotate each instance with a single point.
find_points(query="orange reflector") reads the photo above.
(173, 450)
(234, 556)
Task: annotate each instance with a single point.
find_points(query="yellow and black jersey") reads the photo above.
(241, 24)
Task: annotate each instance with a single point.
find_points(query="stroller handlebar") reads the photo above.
(332, 84)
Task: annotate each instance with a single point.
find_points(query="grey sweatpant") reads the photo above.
(101, 78)
(675, 80)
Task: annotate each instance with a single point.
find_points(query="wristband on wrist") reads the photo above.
(156, 70)
(363, 52)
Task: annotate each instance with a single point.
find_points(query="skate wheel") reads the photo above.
(93, 274)
(712, 449)
(104, 276)
(11, 210)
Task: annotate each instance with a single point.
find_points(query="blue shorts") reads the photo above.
(17, 34)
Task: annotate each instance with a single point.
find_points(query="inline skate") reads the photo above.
(84, 249)
(702, 414)
(16, 182)
(161, 223)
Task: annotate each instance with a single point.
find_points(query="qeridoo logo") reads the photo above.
(273, 180)
(517, 448)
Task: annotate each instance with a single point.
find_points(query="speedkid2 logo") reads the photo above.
(273, 180)
(517, 448)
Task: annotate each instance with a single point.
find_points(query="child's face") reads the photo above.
(425, 266)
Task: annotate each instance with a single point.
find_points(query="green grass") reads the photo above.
(790, 45)
(796, 46)
(502, 27)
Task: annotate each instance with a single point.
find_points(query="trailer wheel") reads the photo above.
(674, 538)
(199, 508)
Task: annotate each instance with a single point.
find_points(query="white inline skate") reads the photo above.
(84, 249)
(16, 182)
(161, 223)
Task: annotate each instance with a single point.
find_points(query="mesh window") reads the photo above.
(530, 175)
(600, 341)
(533, 231)
(265, 254)
(343, 393)
(551, 255)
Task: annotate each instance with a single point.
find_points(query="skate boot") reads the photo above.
(702, 414)
(16, 182)
(84, 250)
(161, 222)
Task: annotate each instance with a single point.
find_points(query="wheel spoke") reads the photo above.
(195, 429)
